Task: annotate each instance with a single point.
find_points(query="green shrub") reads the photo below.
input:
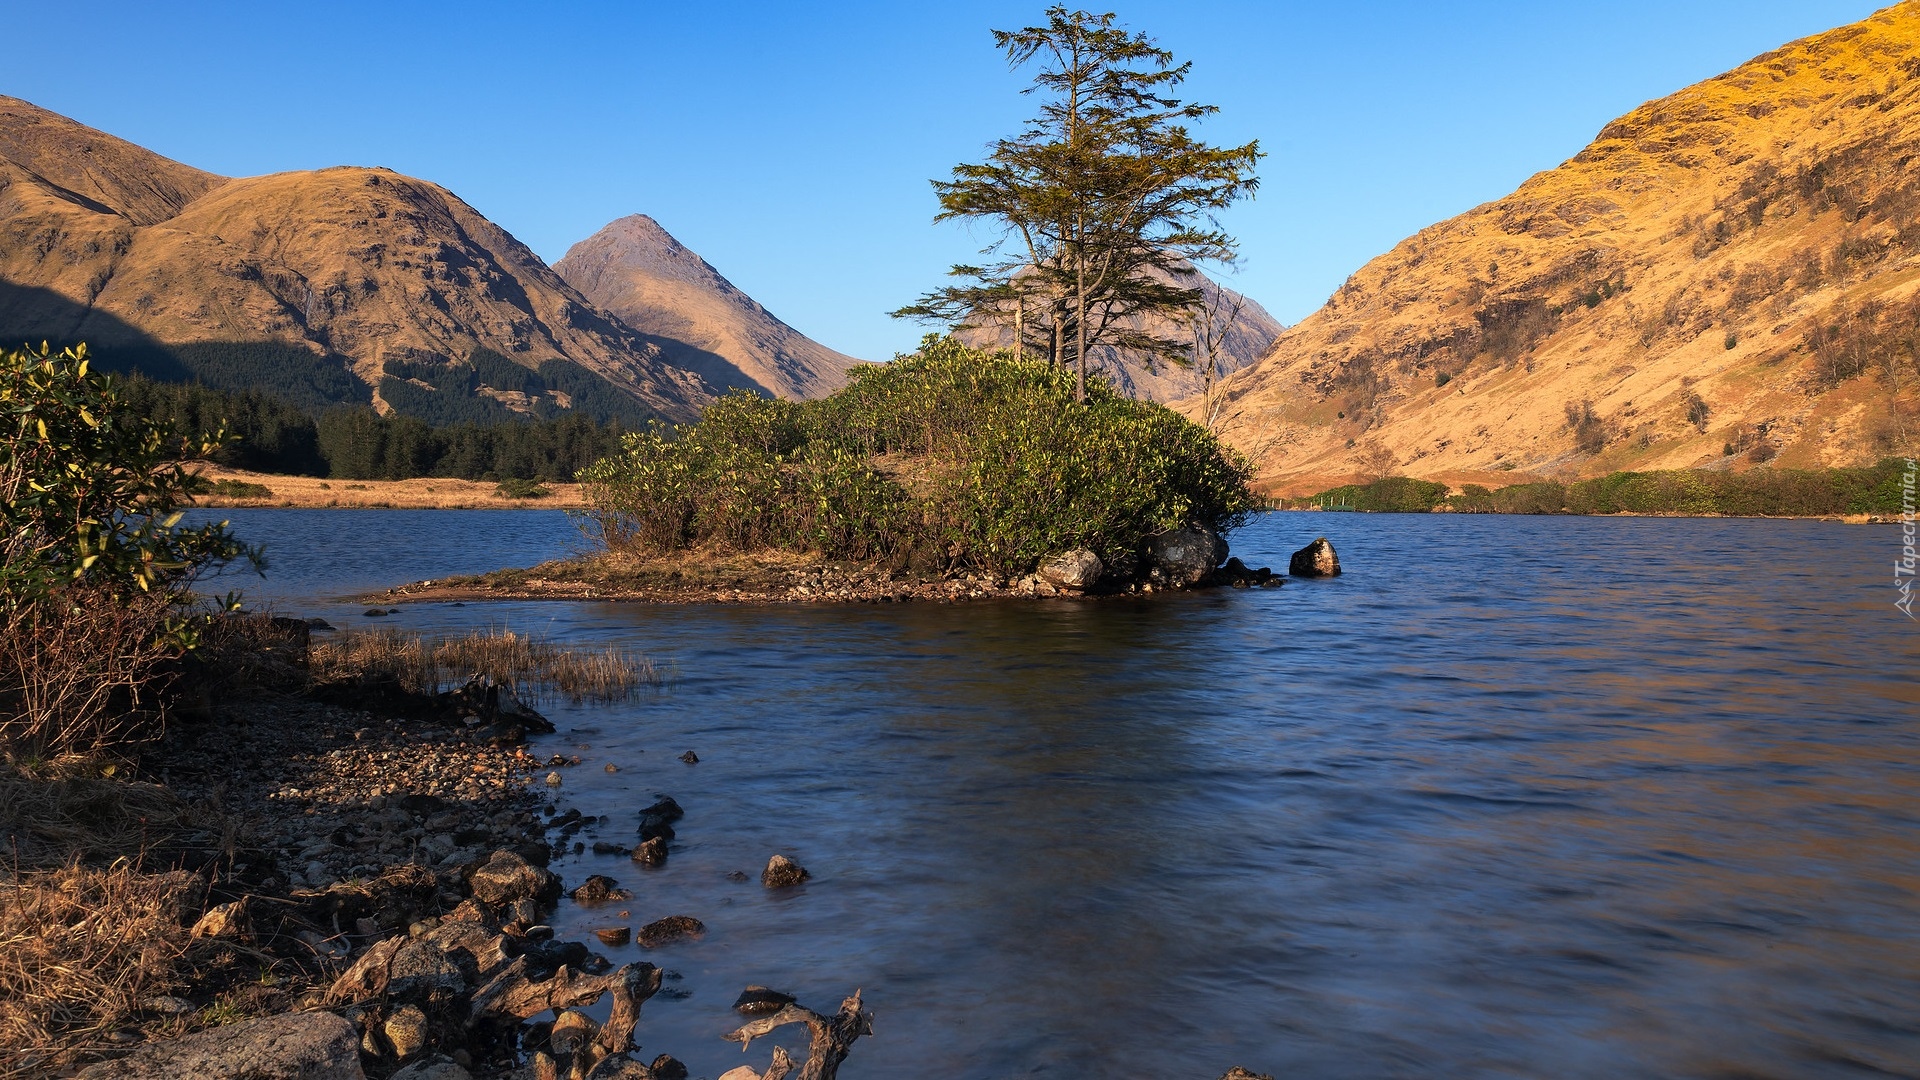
(95, 565)
(1756, 493)
(949, 457)
(1392, 495)
(239, 489)
(516, 488)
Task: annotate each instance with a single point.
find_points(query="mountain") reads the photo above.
(635, 270)
(337, 285)
(1247, 333)
(1724, 278)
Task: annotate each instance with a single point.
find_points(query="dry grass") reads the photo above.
(423, 494)
(531, 665)
(80, 670)
(49, 821)
(82, 952)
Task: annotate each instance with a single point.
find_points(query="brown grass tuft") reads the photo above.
(531, 665)
(46, 822)
(81, 953)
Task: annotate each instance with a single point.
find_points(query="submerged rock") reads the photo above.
(1315, 560)
(613, 935)
(755, 1000)
(1077, 569)
(672, 928)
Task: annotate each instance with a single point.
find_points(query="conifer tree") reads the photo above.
(1103, 204)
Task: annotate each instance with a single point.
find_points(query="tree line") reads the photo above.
(353, 442)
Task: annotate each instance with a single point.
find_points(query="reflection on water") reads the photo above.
(1516, 796)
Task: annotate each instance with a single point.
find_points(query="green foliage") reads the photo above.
(240, 489)
(359, 444)
(266, 433)
(1103, 202)
(516, 488)
(1755, 493)
(1392, 495)
(948, 457)
(94, 492)
(95, 565)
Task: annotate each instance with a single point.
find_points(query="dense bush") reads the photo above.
(1756, 493)
(949, 457)
(94, 560)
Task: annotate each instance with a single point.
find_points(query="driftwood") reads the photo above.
(832, 1037)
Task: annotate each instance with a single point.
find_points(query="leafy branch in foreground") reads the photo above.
(95, 563)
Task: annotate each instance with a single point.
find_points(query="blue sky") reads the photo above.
(791, 144)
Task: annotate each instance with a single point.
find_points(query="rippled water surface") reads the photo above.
(1514, 797)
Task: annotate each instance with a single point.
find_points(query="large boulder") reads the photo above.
(1186, 556)
(1076, 569)
(506, 877)
(294, 1046)
(1315, 560)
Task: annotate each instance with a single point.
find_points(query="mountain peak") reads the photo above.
(635, 269)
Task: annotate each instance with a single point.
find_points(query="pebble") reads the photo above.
(553, 779)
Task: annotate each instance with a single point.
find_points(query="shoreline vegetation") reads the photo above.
(221, 841)
(1851, 494)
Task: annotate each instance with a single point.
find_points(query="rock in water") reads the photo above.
(651, 853)
(671, 928)
(755, 1000)
(1186, 556)
(1238, 1073)
(1315, 560)
(657, 820)
(507, 877)
(294, 1046)
(613, 935)
(782, 872)
(599, 889)
(1076, 569)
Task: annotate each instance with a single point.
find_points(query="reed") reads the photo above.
(532, 665)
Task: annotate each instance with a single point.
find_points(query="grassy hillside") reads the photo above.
(1725, 279)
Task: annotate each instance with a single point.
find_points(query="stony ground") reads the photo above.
(764, 578)
(335, 793)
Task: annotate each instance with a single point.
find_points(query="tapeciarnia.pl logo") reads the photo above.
(1903, 568)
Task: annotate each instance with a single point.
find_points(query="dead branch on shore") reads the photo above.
(832, 1038)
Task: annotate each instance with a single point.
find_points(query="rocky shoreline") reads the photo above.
(1186, 562)
(360, 886)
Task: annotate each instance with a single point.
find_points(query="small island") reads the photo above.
(949, 474)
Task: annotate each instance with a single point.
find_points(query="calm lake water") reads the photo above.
(1515, 797)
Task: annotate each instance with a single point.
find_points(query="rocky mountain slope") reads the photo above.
(1246, 332)
(635, 270)
(342, 284)
(1725, 278)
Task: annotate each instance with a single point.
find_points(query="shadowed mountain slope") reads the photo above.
(635, 270)
(1725, 278)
